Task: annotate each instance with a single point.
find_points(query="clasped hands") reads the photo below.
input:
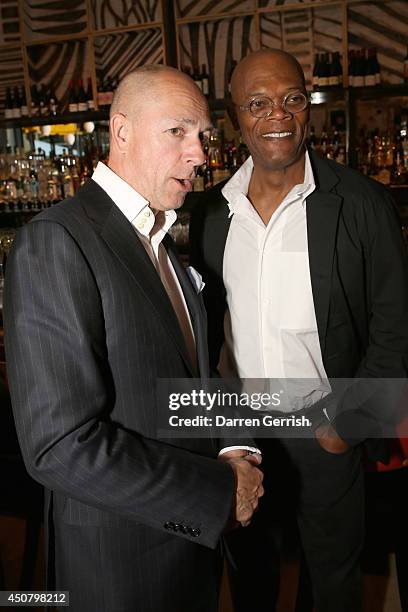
(248, 484)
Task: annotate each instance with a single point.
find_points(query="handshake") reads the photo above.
(248, 484)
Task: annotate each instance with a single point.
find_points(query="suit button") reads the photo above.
(184, 529)
(177, 527)
(194, 532)
(169, 525)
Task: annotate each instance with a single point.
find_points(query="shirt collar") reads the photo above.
(237, 187)
(133, 205)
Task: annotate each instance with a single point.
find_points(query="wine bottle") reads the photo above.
(52, 103)
(16, 112)
(324, 70)
(316, 68)
(89, 95)
(205, 83)
(82, 99)
(72, 98)
(23, 101)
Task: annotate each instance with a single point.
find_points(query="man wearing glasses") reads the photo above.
(296, 253)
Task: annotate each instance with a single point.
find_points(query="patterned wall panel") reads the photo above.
(44, 18)
(117, 54)
(55, 64)
(383, 25)
(9, 21)
(303, 33)
(114, 14)
(267, 3)
(193, 8)
(217, 44)
(271, 30)
(11, 72)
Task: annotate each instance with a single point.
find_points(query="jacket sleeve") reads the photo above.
(58, 367)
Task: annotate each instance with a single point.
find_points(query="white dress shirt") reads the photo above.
(270, 326)
(151, 230)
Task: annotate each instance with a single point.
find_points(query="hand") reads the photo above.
(248, 479)
(329, 439)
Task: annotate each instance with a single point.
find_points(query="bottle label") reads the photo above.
(358, 81)
(73, 107)
(205, 87)
(82, 106)
(16, 113)
(323, 81)
(91, 104)
(24, 111)
(377, 78)
(8, 113)
(369, 80)
(334, 80)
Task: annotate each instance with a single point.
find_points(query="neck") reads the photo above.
(268, 188)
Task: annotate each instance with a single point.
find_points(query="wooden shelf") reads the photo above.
(99, 115)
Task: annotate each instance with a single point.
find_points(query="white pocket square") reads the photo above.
(195, 278)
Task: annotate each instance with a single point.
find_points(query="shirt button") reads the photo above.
(147, 213)
(140, 225)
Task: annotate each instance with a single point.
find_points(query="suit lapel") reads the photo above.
(322, 213)
(195, 307)
(121, 238)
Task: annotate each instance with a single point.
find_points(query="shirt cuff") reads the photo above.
(250, 449)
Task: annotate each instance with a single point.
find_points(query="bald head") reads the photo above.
(143, 84)
(274, 60)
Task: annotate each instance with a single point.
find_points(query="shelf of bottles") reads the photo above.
(45, 107)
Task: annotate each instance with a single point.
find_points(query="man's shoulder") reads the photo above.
(352, 183)
(211, 202)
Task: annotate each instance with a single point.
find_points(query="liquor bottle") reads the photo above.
(8, 106)
(82, 98)
(405, 68)
(208, 177)
(316, 68)
(72, 98)
(351, 68)
(198, 184)
(205, 83)
(23, 101)
(89, 95)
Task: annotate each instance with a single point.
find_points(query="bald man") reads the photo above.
(297, 254)
(97, 308)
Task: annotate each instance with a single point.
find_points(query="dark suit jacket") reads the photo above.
(358, 273)
(134, 521)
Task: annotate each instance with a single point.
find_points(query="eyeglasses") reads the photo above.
(262, 106)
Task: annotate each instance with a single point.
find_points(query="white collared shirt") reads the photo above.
(270, 325)
(151, 229)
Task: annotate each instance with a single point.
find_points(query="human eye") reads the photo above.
(296, 99)
(260, 103)
(176, 131)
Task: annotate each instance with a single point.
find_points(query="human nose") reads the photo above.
(195, 153)
(277, 111)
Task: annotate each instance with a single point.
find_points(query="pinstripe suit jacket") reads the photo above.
(134, 521)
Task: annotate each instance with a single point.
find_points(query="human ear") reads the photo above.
(119, 130)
